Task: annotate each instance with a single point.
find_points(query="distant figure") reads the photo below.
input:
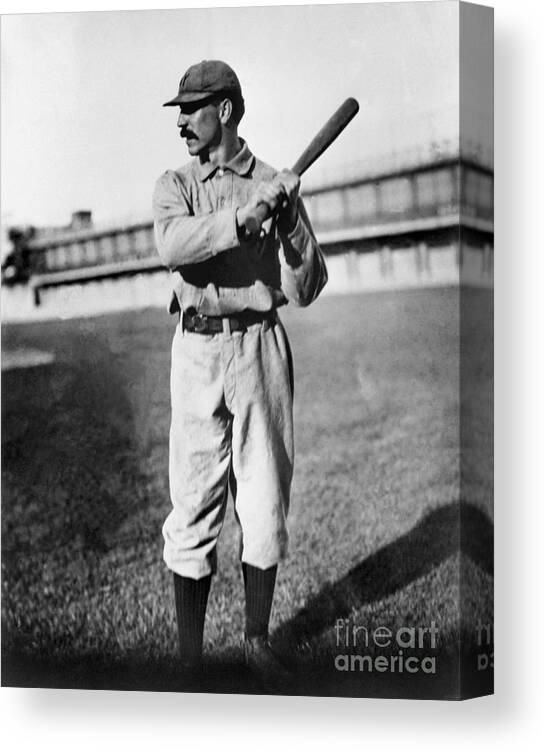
(231, 378)
(16, 265)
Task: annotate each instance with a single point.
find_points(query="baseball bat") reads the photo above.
(321, 141)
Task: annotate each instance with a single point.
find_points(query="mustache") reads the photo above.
(186, 133)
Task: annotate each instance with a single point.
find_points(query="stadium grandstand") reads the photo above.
(419, 219)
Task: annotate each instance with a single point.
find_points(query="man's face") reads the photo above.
(201, 127)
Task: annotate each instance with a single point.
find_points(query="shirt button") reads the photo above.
(220, 172)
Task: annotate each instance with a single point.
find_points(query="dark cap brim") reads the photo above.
(188, 98)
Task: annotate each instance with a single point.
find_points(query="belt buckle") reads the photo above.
(199, 323)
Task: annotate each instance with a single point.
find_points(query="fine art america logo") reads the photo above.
(408, 648)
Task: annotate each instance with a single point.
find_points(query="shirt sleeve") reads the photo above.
(302, 265)
(185, 238)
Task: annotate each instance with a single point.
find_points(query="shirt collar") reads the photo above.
(241, 163)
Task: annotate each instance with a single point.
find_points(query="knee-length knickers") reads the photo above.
(232, 397)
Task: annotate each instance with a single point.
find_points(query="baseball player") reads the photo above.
(231, 373)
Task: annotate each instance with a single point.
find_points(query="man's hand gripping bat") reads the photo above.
(321, 141)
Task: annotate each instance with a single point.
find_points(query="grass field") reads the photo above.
(375, 516)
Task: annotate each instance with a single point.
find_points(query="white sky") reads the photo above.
(83, 126)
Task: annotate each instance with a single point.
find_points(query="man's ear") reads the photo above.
(225, 111)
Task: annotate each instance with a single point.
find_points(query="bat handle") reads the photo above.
(256, 218)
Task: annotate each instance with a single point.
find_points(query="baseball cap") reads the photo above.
(203, 80)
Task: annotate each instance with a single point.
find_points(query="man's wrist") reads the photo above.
(241, 216)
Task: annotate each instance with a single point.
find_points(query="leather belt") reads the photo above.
(201, 324)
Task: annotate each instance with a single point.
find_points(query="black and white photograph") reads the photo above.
(247, 350)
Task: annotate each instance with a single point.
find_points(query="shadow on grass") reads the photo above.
(68, 449)
(439, 534)
(223, 676)
(228, 676)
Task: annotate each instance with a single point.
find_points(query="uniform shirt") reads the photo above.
(215, 271)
